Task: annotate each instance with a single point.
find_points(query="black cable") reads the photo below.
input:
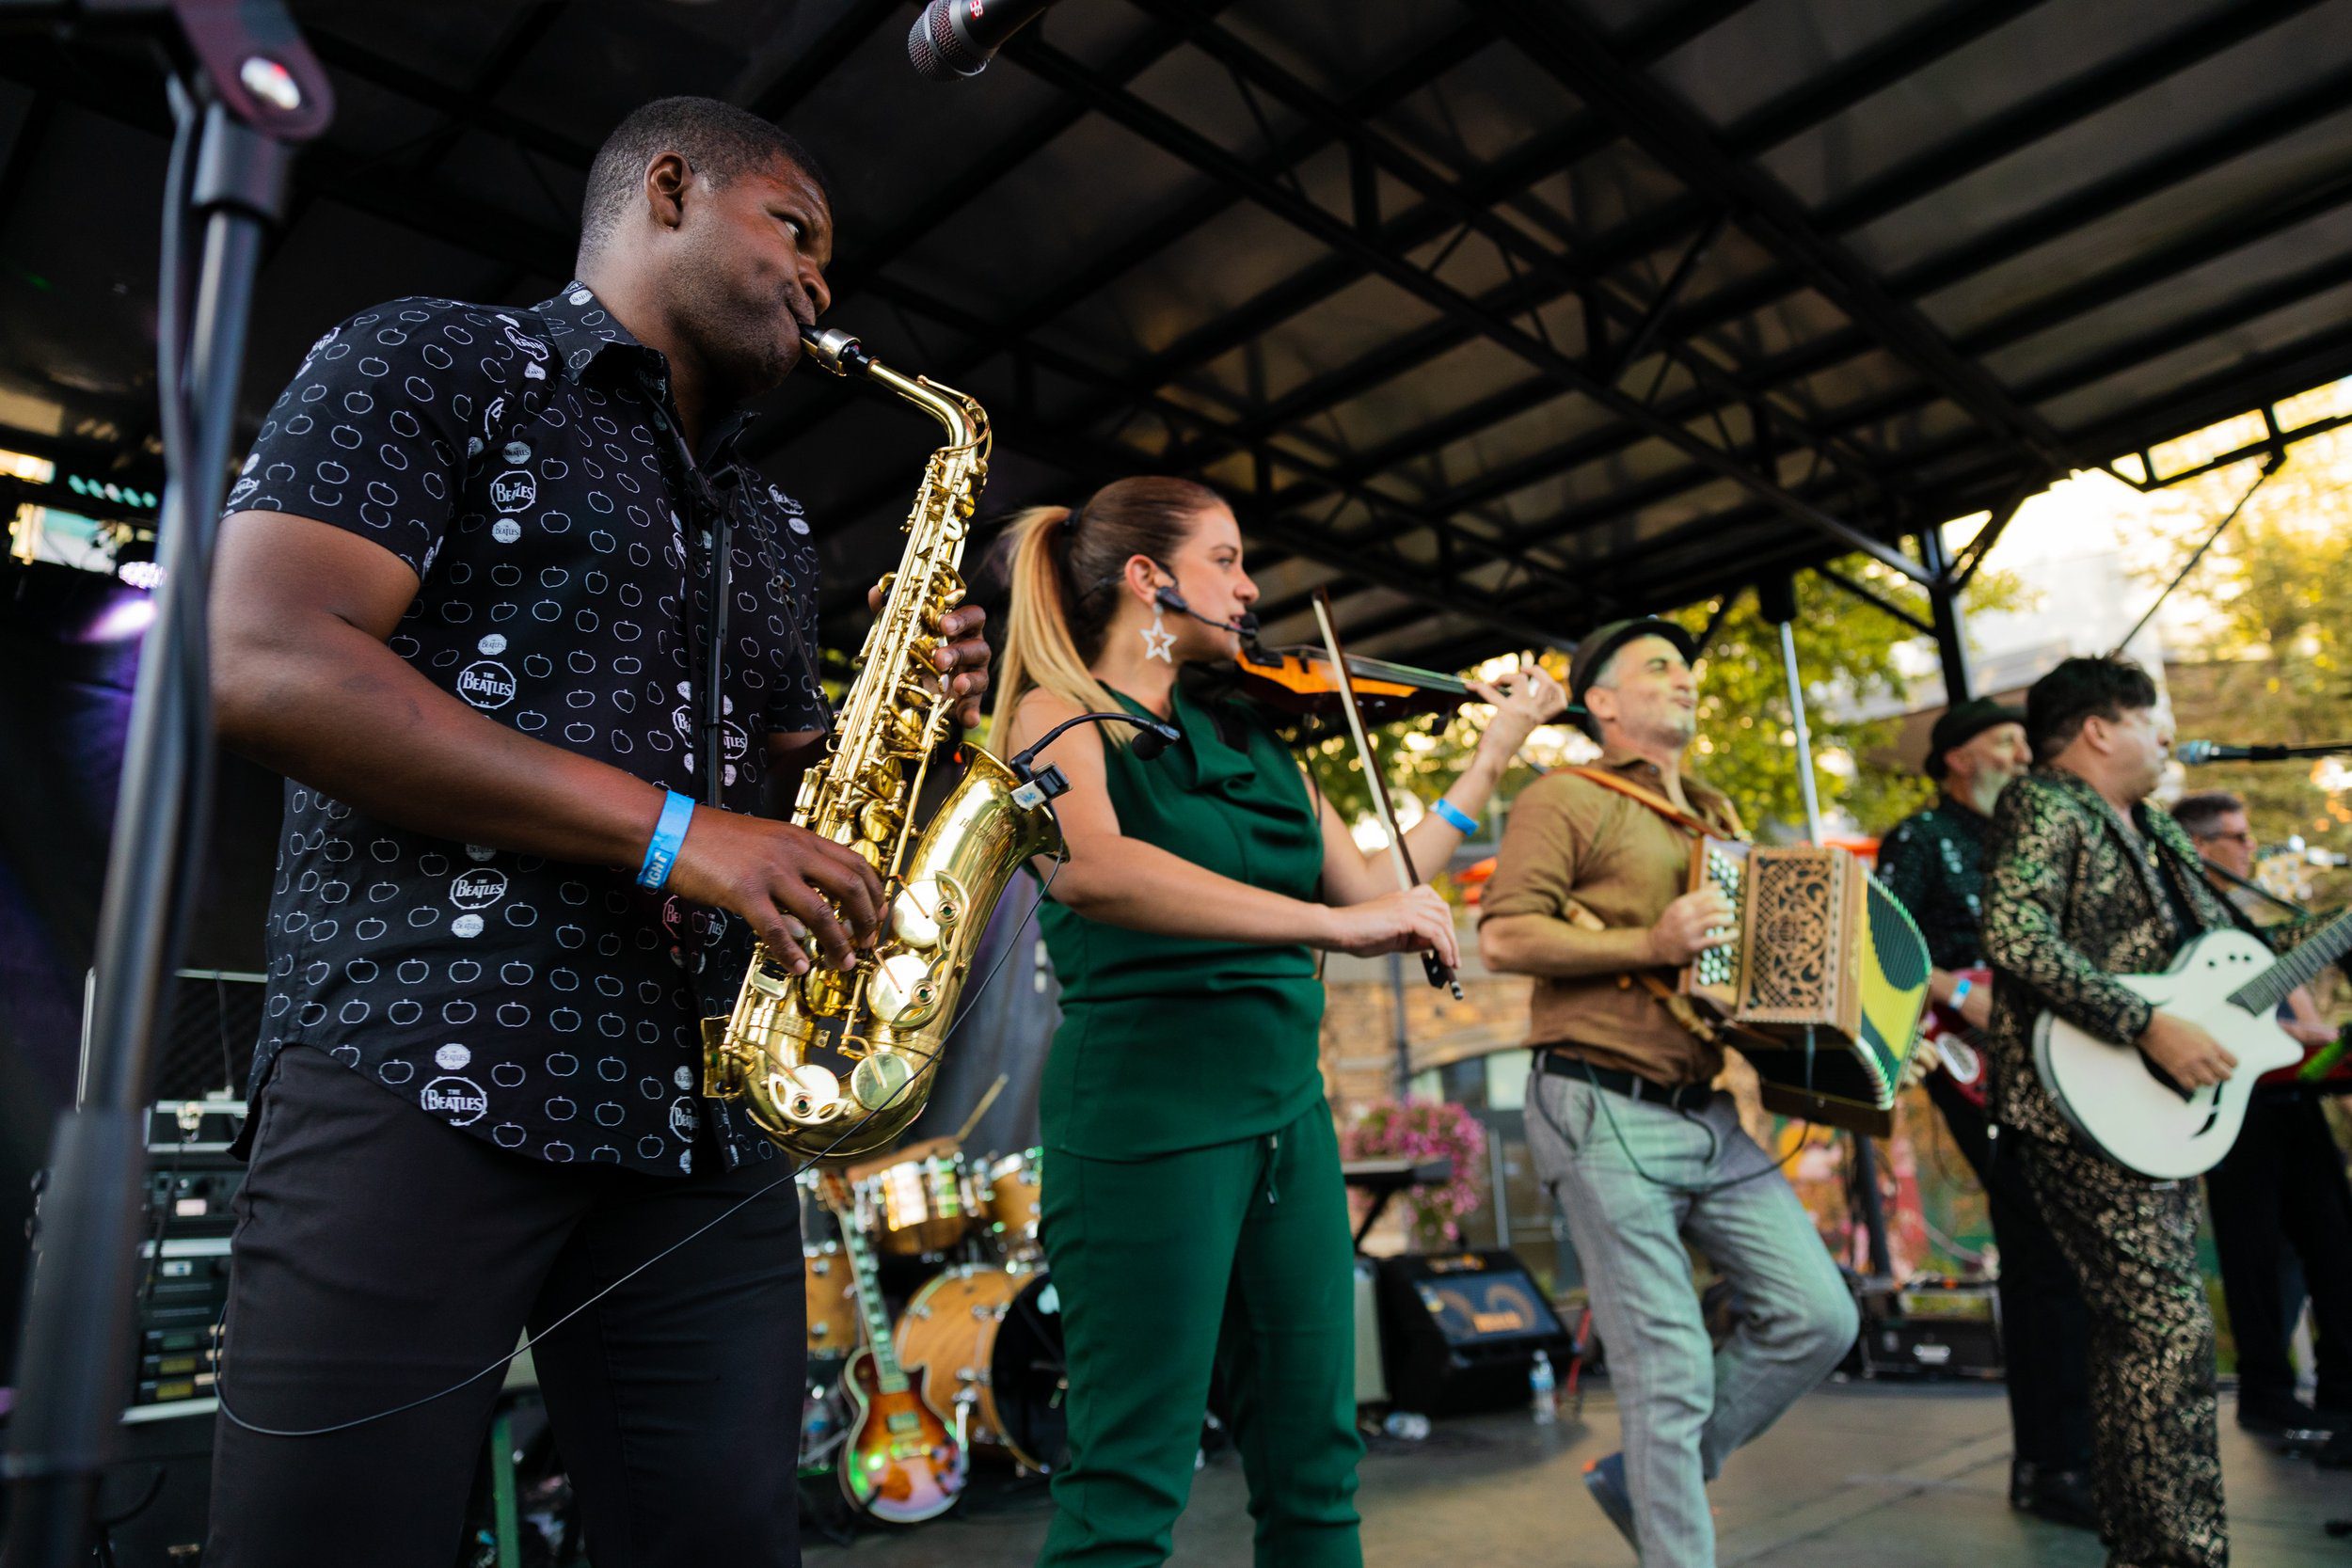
(929, 1066)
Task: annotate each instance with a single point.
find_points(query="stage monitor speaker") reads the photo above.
(1461, 1330)
(1930, 1328)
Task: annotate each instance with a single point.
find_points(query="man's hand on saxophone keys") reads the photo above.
(962, 655)
(805, 895)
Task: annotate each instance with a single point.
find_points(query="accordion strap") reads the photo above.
(1677, 1004)
(1651, 798)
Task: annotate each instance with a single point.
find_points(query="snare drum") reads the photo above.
(991, 1338)
(1011, 1196)
(831, 1286)
(919, 1206)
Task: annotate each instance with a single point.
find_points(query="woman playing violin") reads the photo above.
(1194, 1215)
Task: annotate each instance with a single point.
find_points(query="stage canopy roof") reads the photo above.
(1501, 317)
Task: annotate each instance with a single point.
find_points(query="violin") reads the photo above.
(1302, 681)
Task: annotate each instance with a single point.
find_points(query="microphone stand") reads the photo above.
(246, 91)
(2281, 754)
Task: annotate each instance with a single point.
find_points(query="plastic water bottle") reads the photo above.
(1408, 1425)
(1543, 1389)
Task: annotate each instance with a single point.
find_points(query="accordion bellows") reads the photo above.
(1825, 978)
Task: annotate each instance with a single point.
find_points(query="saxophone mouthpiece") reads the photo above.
(835, 350)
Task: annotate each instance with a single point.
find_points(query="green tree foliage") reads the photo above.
(1846, 649)
(2270, 660)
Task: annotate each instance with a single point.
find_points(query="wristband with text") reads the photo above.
(668, 834)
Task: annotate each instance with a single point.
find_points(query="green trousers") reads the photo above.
(1234, 1258)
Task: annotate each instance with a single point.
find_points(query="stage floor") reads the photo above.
(1856, 1476)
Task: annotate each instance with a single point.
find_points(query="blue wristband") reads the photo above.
(1961, 987)
(668, 834)
(1460, 820)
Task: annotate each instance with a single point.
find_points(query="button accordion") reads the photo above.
(1822, 978)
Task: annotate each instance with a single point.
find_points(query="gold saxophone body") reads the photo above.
(881, 1024)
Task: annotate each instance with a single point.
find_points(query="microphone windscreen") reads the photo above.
(938, 54)
(1152, 739)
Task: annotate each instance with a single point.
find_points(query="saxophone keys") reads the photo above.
(881, 1079)
(809, 1093)
(904, 992)
(922, 912)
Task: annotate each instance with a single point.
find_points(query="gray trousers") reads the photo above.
(1631, 1178)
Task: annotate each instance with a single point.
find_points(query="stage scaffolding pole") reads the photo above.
(1778, 601)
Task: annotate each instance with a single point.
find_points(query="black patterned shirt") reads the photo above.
(1932, 861)
(526, 466)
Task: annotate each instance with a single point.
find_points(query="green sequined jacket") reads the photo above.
(2075, 898)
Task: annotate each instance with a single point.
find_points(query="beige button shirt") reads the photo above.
(1572, 843)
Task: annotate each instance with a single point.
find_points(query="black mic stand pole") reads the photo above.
(245, 71)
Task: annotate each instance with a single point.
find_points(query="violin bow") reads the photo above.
(1408, 878)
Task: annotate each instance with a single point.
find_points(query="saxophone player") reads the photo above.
(1192, 1188)
(466, 604)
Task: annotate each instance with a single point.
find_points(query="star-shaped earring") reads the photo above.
(1157, 641)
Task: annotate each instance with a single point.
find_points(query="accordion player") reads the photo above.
(1821, 983)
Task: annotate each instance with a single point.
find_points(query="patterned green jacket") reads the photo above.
(2075, 898)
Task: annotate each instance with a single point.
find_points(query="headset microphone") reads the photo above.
(1244, 625)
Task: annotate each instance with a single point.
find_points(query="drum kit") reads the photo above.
(959, 1235)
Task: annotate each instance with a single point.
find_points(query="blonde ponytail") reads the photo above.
(1038, 649)
(1065, 568)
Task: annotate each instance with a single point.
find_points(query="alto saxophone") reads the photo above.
(881, 1024)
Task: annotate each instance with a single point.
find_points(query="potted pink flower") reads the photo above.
(1417, 1131)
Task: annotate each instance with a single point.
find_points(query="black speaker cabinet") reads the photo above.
(1929, 1330)
(1461, 1330)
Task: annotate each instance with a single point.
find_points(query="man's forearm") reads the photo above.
(1543, 945)
(334, 709)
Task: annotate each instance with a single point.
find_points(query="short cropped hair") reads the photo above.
(2202, 813)
(719, 140)
(2079, 688)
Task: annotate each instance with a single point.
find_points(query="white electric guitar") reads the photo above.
(2229, 983)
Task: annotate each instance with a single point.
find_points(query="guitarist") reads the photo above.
(2090, 882)
(1933, 861)
(2282, 1185)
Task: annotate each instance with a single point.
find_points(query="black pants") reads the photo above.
(2283, 1186)
(382, 1256)
(2046, 1328)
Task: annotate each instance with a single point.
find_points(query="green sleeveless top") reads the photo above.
(1169, 1043)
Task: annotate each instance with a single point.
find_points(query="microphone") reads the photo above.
(1152, 737)
(1245, 625)
(2191, 753)
(958, 38)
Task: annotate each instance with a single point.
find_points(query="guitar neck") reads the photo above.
(2262, 995)
(869, 1305)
